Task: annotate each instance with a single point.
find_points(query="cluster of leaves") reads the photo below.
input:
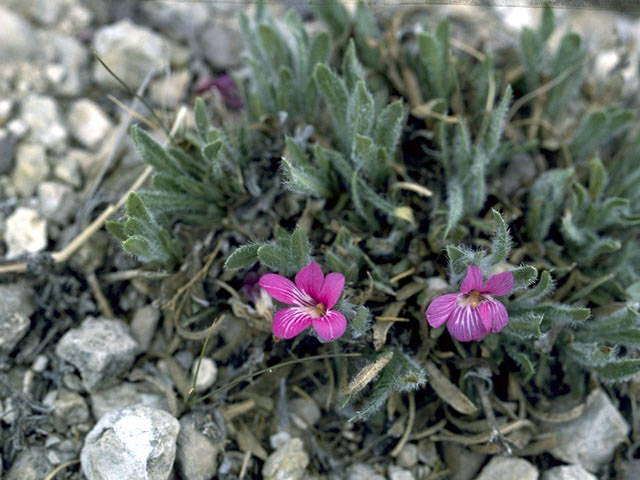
(194, 183)
(338, 137)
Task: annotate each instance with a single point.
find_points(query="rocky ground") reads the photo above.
(80, 377)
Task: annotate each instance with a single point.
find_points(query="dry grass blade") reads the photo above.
(367, 374)
(447, 391)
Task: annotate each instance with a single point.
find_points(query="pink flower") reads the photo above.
(312, 297)
(472, 313)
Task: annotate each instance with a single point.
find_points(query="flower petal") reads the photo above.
(493, 315)
(310, 279)
(289, 322)
(465, 324)
(330, 326)
(473, 280)
(331, 290)
(441, 308)
(499, 284)
(284, 290)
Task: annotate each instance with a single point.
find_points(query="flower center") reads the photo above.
(474, 298)
(471, 299)
(317, 311)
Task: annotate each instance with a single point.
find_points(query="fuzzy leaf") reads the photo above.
(455, 202)
(501, 241)
(116, 229)
(597, 177)
(541, 290)
(275, 258)
(152, 152)
(300, 248)
(524, 276)
(546, 200)
(335, 92)
(359, 325)
(243, 257)
(201, 118)
(306, 180)
(496, 124)
(351, 69)
(360, 111)
(389, 126)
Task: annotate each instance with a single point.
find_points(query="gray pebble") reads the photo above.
(134, 443)
(100, 349)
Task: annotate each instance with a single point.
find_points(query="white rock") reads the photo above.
(101, 349)
(46, 12)
(17, 38)
(397, 473)
(182, 21)
(508, 468)
(88, 123)
(30, 169)
(13, 328)
(143, 325)
(67, 169)
(130, 51)
(568, 472)
(362, 471)
(40, 113)
(168, 91)
(57, 202)
(304, 413)
(6, 106)
(25, 232)
(68, 56)
(222, 46)
(591, 439)
(206, 375)
(288, 462)
(197, 453)
(124, 395)
(67, 408)
(408, 456)
(134, 443)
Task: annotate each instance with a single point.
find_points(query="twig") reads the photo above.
(409, 427)
(51, 475)
(103, 303)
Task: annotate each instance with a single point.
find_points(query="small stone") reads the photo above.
(31, 168)
(197, 454)
(134, 443)
(124, 395)
(29, 464)
(222, 46)
(70, 60)
(569, 472)
(88, 123)
(40, 364)
(130, 51)
(144, 324)
(18, 128)
(40, 113)
(57, 201)
(101, 349)
(397, 473)
(67, 169)
(408, 456)
(16, 298)
(304, 413)
(7, 147)
(169, 90)
(427, 453)
(181, 21)
(362, 471)
(289, 462)
(17, 39)
(67, 407)
(12, 329)
(206, 375)
(462, 462)
(6, 107)
(591, 439)
(46, 12)
(508, 468)
(25, 232)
